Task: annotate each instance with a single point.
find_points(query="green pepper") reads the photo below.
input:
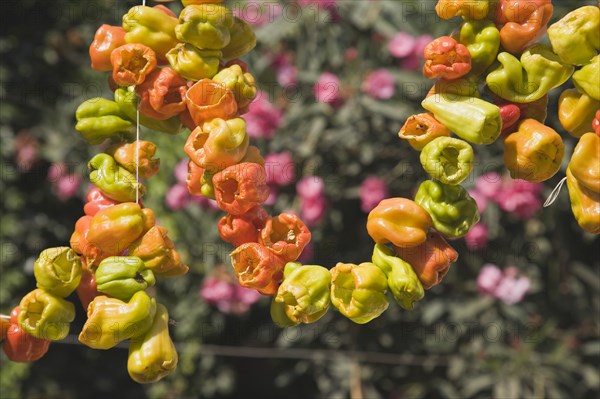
(99, 119)
(451, 208)
(526, 80)
(241, 84)
(472, 119)
(358, 291)
(206, 26)
(45, 316)
(575, 37)
(153, 356)
(401, 278)
(278, 315)
(242, 40)
(123, 276)
(482, 39)
(127, 99)
(114, 180)
(192, 63)
(304, 292)
(448, 159)
(111, 320)
(58, 271)
(150, 27)
(587, 79)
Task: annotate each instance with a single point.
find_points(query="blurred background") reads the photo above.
(516, 317)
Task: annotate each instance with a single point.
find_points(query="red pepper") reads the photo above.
(97, 201)
(256, 266)
(446, 58)
(522, 22)
(238, 230)
(510, 114)
(162, 94)
(240, 187)
(132, 63)
(286, 235)
(107, 39)
(20, 346)
(186, 119)
(86, 290)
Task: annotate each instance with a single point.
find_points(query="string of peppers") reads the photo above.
(482, 92)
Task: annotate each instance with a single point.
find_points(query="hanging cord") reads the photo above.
(554, 194)
(137, 154)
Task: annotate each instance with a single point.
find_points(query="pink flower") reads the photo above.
(479, 199)
(412, 63)
(520, 198)
(287, 75)
(311, 191)
(489, 185)
(379, 84)
(350, 54)
(181, 171)
(263, 118)
(177, 197)
(222, 291)
(258, 13)
(372, 191)
(325, 4)
(477, 237)
(280, 168)
(67, 186)
(310, 187)
(26, 151)
(327, 89)
(273, 194)
(401, 45)
(245, 295)
(420, 43)
(512, 288)
(488, 279)
(308, 253)
(215, 290)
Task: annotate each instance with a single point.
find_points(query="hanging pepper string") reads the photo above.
(554, 194)
(137, 146)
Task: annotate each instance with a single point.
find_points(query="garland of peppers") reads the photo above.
(492, 81)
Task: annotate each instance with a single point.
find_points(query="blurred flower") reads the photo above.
(273, 194)
(372, 191)
(520, 198)
(263, 118)
(285, 71)
(327, 89)
(27, 150)
(488, 279)
(477, 237)
(181, 171)
(412, 62)
(379, 84)
(512, 288)
(480, 199)
(280, 168)
(350, 54)
(258, 13)
(308, 253)
(226, 294)
(67, 186)
(310, 187)
(177, 197)
(324, 4)
(311, 192)
(420, 43)
(401, 45)
(489, 184)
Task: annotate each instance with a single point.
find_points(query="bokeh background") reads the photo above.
(516, 317)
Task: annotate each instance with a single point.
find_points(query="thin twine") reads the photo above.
(137, 146)
(554, 194)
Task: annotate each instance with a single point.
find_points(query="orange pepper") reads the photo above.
(158, 252)
(208, 99)
(446, 58)
(106, 39)
(258, 267)
(522, 22)
(238, 230)
(132, 63)
(286, 235)
(240, 188)
(162, 94)
(126, 155)
(421, 129)
(400, 221)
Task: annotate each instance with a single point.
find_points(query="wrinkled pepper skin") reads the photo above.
(122, 276)
(358, 291)
(192, 63)
(445, 58)
(430, 260)
(304, 292)
(399, 221)
(45, 316)
(534, 152)
(218, 144)
(585, 162)
(106, 39)
(238, 230)
(242, 40)
(585, 205)
(126, 155)
(87, 289)
(81, 245)
(257, 267)
(113, 229)
(510, 114)
(99, 119)
(448, 160)
(482, 39)
(596, 123)
(58, 271)
(20, 346)
(472, 119)
(242, 84)
(401, 278)
(158, 252)
(153, 356)
(194, 180)
(97, 201)
(575, 37)
(467, 9)
(205, 26)
(162, 94)
(111, 320)
(451, 208)
(522, 22)
(132, 63)
(208, 99)
(115, 181)
(127, 99)
(576, 111)
(240, 188)
(587, 79)
(278, 315)
(420, 129)
(537, 72)
(151, 27)
(286, 235)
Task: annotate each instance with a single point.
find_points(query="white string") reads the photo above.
(137, 155)
(554, 194)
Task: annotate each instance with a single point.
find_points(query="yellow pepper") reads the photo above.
(576, 111)
(585, 205)
(585, 162)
